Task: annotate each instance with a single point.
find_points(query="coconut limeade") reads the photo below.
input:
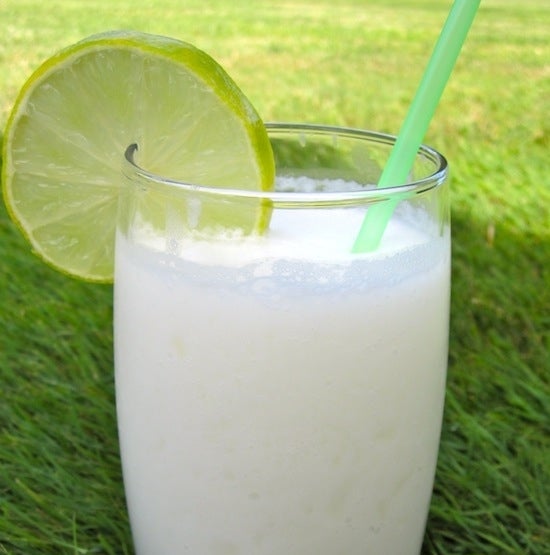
(277, 394)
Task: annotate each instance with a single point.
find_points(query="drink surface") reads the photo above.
(282, 395)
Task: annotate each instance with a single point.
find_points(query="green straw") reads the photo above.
(416, 123)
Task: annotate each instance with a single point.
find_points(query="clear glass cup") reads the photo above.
(277, 394)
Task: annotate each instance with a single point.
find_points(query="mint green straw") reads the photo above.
(416, 123)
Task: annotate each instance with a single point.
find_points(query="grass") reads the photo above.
(349, 62)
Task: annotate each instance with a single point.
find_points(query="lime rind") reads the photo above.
(80, 109)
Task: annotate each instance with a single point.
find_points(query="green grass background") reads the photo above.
(348, 62)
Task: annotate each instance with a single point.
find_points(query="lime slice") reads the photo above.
(75, 116)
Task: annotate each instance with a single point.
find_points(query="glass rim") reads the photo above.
(289, 199)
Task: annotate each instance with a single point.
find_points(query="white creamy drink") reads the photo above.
(277, 398)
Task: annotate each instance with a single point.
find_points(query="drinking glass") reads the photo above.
(276, 393)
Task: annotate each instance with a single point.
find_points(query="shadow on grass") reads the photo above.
(60, 473)
(492, 486)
